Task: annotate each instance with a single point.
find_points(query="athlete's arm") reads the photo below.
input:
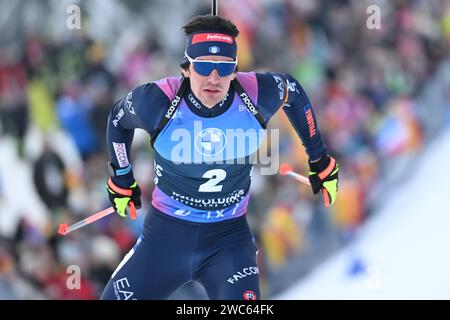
(276, 90)
(143, 107)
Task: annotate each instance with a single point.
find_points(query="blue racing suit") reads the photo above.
(196, 228)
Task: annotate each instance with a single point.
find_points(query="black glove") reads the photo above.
(124, 199)
(323, 175)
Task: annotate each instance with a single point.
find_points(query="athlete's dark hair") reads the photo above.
(208, 22)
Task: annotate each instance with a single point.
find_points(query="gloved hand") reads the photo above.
(323, 175)
(122, 198)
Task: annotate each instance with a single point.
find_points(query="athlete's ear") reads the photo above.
(185, 72)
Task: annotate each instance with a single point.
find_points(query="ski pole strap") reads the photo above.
(249, 103)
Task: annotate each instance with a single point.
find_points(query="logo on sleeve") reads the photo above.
(118, 117)
(121, 154)
(280, 85)
(310, 120)
(292, 86)
(128, 102)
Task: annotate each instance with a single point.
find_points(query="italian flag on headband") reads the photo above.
(205, 37)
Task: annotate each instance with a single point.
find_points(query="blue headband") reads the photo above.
(211, 43)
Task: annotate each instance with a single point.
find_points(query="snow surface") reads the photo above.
(404, 247)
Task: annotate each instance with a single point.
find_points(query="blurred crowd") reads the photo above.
(56, 92)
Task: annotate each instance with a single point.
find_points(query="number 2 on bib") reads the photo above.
(215, 176)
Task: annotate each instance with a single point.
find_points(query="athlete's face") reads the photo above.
(210, 89)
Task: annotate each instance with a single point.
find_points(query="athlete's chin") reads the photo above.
(212, 97)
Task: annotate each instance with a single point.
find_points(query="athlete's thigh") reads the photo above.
(232, 274)
(150, 270)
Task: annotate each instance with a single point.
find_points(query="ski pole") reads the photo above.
(286, 169)
(64, 228)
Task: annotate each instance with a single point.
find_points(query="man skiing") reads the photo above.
(196, 228)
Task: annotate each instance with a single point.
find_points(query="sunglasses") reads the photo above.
(205, 67)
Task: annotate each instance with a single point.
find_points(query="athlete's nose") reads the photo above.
(214, 77)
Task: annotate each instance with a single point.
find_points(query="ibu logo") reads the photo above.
(214, 49)
(210, 142)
